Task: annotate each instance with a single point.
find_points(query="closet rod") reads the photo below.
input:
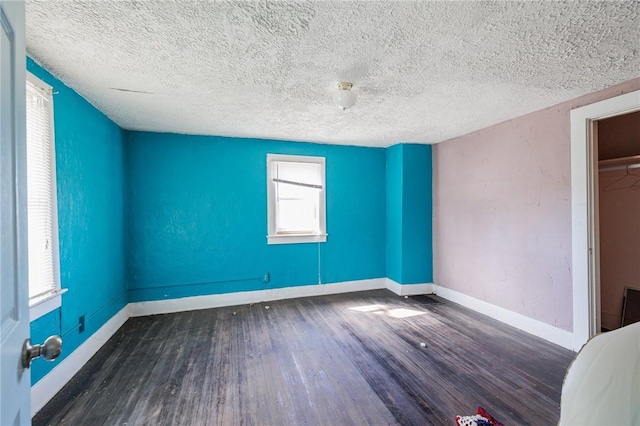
(627, 167)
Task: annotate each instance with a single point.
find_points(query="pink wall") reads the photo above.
(502, 212)
(619, 216)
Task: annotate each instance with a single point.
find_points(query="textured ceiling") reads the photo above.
(424, 71)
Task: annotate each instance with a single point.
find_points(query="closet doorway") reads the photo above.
(585, 245)
(618, 214)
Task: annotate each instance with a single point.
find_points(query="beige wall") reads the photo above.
(619, 216)
(502, 212)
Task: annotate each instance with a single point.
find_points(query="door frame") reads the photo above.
(584, 210)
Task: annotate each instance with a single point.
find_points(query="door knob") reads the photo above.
(50, 350)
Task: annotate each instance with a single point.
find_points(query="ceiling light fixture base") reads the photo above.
(344, 98)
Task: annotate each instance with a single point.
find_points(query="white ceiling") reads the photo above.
(424, 71)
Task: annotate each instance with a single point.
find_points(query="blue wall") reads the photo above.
(417, 241)
(197, 219)
(394, 212)
(409, 214)
(90, 191)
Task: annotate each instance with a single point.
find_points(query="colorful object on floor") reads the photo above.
(481, 418)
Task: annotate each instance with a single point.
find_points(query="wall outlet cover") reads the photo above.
(81, 324)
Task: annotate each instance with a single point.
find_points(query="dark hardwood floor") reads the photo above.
(333, 360)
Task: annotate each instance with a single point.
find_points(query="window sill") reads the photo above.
(296, 239)
(44, 304)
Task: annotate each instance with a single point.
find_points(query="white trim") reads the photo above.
(296, 238)
(409, 289)
(40, 306)
(156, 307)
(241, 298)
(39, 84)
(49, 385)
(583, 229)
(537, 328)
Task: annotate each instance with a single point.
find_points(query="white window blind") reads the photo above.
(42, 242)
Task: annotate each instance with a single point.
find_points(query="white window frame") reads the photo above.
(45, 303)
(273, 237)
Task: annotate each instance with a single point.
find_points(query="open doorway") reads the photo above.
(618, 140)
(585, 236)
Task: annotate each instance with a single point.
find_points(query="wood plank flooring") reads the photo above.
(350, 359)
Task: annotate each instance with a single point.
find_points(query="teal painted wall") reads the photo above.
(409, 214)
(90, 193)
(394, 205)
(197, 219)
(417, 240)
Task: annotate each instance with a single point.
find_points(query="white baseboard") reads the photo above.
(49, 385)
(537, 328)
(408, 289)
(156, 307)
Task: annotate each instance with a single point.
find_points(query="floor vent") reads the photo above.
(425, 300)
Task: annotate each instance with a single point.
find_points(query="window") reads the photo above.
(296, 199)
(42, 221)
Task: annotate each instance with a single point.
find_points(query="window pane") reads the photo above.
(287, 191)
(303, 173)
(298, 216)
(297, 209)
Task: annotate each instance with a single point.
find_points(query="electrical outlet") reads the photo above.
(81, 324)
(266, 277)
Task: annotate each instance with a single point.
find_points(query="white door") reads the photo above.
(14, 304)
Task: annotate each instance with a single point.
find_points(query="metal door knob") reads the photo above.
(50, 350)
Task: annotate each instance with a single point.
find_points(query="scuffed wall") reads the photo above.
(502, 212)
